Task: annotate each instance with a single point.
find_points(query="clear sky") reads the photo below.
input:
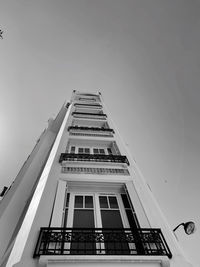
(144, 57)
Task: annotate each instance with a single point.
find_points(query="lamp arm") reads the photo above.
(178, 226)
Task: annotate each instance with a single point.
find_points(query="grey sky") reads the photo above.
(144, 56)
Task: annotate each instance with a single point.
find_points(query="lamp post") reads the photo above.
(189, 227)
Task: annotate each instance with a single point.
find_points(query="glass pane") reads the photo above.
(95, 151)
(67, 200)
(87, 150)
(111, 219)
(131, 218)
(78, 202)
(115, 243)
(109, 151)
(65, 218)
(83, 218)
(88, 202)
(125, 201)
(82, 240)
(73, 149)
(113, 203)
(80, 150)
(101, 151)
(103, 202)
(82, 247)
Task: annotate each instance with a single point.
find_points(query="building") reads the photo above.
(79, 199)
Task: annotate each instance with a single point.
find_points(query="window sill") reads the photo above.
(158, 261)
(92, 164)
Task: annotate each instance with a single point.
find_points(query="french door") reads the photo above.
(85, 212)
(111, 219)
(83, 219)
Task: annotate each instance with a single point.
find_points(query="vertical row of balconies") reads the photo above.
(93, 127)
(88, 119)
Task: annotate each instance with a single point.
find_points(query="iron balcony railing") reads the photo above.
(84, 128)
(101, 241)
(93, 158)
(88, 114)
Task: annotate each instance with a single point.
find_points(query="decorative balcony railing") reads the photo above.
(101, 241)
(93, 158)
(90, 114)
(84, 128)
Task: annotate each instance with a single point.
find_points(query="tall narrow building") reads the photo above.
(80, 200)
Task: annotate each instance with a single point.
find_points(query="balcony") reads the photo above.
(89, 115)
(93, 158)
(101, 241)
(96, 106)
(94, 129)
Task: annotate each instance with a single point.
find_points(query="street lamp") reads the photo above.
(189, 227)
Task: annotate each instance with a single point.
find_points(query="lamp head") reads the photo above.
(189, 227)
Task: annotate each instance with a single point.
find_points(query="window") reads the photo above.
(109, 151)
(110, 206)
(72, 149)
(91, 150)
(83, 150)
(79, 150)
(98, 151)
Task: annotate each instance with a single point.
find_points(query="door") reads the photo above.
(83, 220)
(85, 212)
(113, 226)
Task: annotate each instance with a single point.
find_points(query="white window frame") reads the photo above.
(91, 149)
(97, 209)
(101, 188)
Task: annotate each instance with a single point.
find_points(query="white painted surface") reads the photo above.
(110, 261)
(145, 205)
(59, 204)
(26, 226)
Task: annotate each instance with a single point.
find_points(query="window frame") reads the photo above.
(74, 149)
(100, 187)
(96, 208)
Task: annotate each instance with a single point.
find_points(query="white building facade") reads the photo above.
(79, 199)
